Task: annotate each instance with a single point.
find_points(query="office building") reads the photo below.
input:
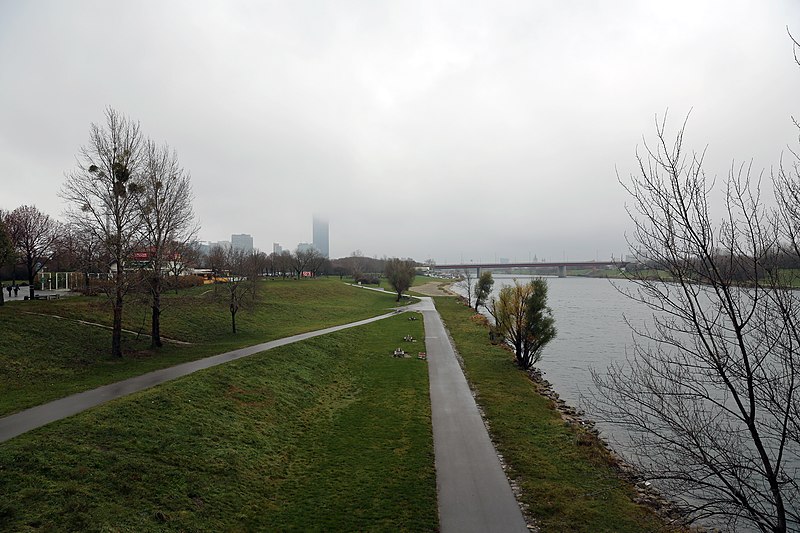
(320, 235)
(242, 241)
(277, 249)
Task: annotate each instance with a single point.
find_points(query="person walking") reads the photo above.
(16, 290)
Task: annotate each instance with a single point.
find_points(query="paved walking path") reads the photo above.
(474, 493)
(19, 423)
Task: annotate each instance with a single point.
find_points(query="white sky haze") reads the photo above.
(443, 130)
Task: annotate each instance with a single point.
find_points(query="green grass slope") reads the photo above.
(327, 434)
(44, 358)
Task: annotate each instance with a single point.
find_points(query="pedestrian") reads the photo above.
(9, 291)
(16, 290)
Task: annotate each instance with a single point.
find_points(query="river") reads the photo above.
(592, 332)
(590, 317)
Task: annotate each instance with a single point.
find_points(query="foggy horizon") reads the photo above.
(426, 130)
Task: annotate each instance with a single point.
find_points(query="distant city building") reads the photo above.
(305, 246)
(320, 235)
(242, 241)
(277, 249)
(203, 247)
(504, 260)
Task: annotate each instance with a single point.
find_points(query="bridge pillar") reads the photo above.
(478, 270)
(562, 271)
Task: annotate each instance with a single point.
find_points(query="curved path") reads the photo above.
(474, 493)
(19, 423)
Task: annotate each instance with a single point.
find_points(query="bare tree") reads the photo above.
(316, 262)
(308, 260)
(35, 236)
(709, 395)
(237, 266)
(183, 256)
(6, 246)
(283, 262)
(101, 201)
(216, 260)
(466, 284)
(164, 202)
(83, 250)
(400, 273)
(256, 266)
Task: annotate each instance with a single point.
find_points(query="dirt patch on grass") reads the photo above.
(433, 288)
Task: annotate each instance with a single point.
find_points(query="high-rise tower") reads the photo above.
(320, 234)
(242, 241)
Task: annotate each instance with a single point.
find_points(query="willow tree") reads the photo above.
(523, 320)
(101, 199)
(483, 288)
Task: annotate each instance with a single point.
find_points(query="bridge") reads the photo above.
(561, 265)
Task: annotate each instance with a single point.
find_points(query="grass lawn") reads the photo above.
(43, 358)
(328, 434)
(567, 483)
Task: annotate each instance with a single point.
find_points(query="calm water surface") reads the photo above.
(590, 319)
(590, 315)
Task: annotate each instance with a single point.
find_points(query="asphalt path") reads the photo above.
(474, 493)
(19, 423)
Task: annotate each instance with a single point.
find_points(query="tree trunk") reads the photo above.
(399, 294)
(116, 332)
(31, 288)
(233, 307)
(116, 328)
(155, 322)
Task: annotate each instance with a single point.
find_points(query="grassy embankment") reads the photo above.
(566, 478)
(44, 358)
(328, 434)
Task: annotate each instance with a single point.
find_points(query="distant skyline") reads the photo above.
(441, 130)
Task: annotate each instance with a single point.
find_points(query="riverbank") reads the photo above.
(567, 479)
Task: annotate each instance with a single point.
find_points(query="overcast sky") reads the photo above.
(443, 130)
